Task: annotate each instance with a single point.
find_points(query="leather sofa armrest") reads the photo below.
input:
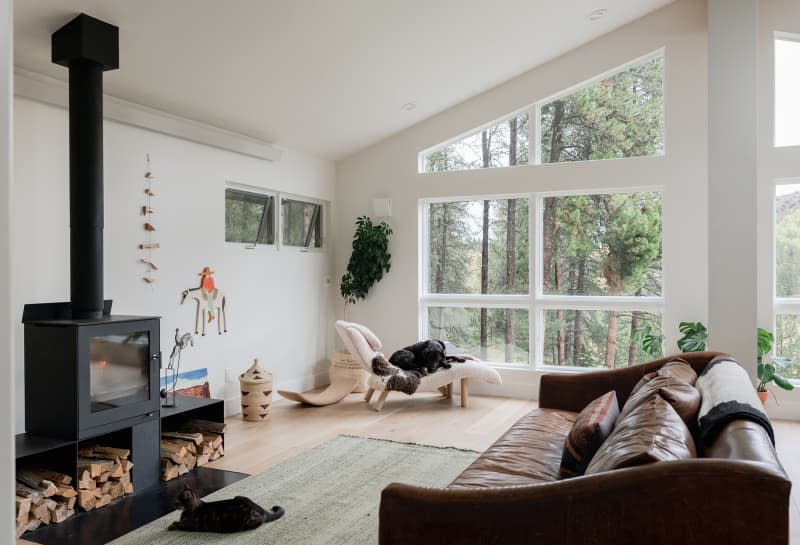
(572, 392)
(692, 502)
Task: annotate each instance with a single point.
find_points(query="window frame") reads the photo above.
(324, 222)
(534, 111)
(535, 301)
(780, 305)
(254, 190)
(783, 37)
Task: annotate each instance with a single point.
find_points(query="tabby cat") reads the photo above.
(224, 517)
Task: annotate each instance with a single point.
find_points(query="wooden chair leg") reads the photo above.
(368, 395)
(450, 391)
(464, 392)
(381, 400)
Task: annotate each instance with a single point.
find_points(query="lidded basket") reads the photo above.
(256, 387)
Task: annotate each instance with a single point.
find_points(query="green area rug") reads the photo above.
(331, 494)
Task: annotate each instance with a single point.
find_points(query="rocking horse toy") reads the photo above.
(210, 301)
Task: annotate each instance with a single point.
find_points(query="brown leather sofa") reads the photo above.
(735, 492)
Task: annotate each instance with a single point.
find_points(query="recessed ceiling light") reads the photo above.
(408, 106)
(597, 14)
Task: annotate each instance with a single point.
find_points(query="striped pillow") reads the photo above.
(592, 427)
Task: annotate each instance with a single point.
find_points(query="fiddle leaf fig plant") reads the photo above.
(369, 261)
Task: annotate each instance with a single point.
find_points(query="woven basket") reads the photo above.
(256, 386)
(344, 365)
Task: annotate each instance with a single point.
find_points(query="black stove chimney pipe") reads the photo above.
(88, 47)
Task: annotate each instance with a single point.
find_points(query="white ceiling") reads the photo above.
(325, 76)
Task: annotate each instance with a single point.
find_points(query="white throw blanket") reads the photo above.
(728, 395)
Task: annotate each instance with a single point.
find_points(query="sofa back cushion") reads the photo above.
(651, 432)
(592, 427)
(673, 382)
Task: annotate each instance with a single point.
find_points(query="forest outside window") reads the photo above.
(619, 114)
(787, 276)
(249, 217)
(598, 265)
(477, 277)
(301, 223)
(601, 275)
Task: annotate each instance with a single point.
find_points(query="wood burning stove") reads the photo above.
(84, 377)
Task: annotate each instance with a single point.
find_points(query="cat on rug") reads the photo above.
(224, 517)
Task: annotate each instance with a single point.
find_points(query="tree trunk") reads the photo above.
(549, 215)
(633, 348)
(577, 340)
(484, 333)
(562, 360)
(611, 341)
(511, 244)
(439, 281)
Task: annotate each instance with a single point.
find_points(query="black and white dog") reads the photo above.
(425, 357)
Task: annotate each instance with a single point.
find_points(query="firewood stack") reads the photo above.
(43, 497)
(104, 474)
(196, 443)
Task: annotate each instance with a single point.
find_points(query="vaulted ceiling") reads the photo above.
(326, 76)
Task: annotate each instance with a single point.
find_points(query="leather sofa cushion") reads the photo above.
(592, 427)
(528, 453)
(683, 397)
(652, 432)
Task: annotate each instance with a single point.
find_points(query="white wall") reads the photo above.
(390, 168)
(732, 162)
(277, 304)
(6, 320)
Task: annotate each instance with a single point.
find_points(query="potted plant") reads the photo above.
(769, 372)
(368, 263)
(695, 339)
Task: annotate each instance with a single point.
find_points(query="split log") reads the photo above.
(23, 507)
(21, 528)
(59, 513)
(71, 503)
(25, 491)
(169, 470)
(104, 500)
(86, 499)
(105, 453)
(41, 512)
(197, 425)
(91, 466)
(214, 439)
(88, 484)
(202, 459)
(66, 492)
(196, 438)
(128, 488)
(55, 476)
(33, 524)
(103, 477)
(36, 481)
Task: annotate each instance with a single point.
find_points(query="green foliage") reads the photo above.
(620, 116)
(369, 260)
(467, 153)
(695, 337)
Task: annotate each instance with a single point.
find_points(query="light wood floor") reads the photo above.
(425, 418)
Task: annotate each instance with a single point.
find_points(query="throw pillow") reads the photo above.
(591, 428)
(653, 432)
